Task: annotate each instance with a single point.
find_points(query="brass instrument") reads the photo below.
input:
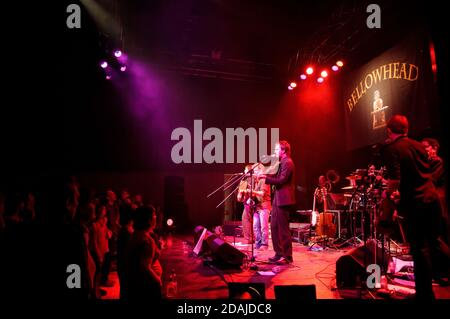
(332, 178)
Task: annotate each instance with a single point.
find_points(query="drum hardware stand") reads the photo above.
(354, 240)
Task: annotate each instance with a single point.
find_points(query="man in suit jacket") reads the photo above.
(409, 172)
(283, 202)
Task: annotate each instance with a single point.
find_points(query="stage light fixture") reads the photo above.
(290, 88)
(170, 222)
(293, 84)
(303, 77)
(324, 74)
(123, 68)
(335, 68)
(339, 63)
(104, 64)
(309, 70)
(118, 53)
(108, 77)
(320, 79)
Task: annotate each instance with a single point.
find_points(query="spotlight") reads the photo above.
(123, 68)
(118, 53)
(335, 68)
(108, 77)
(170, 222)
(290, 88)
(324, 74)
(320, 80)
(339, 63)
(303, 77)
(293, 84)
(309, 70)
(104, 64)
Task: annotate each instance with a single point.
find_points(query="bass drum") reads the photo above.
(325, 225)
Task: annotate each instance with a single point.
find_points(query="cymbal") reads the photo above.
(354, 177)
(359, 172)
(349, 187)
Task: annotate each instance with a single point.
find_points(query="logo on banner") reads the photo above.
(390, 71)
(379, 111)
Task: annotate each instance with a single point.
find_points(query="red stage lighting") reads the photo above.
(293, 84)
(290, 88)
(324, 74)
(339, 63)
(309, 70)
(320, 80)
(335, 68)
(303, 77)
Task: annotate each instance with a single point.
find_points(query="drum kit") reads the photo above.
(365, 212)
(365, 194)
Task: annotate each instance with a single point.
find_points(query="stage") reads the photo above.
(200, 279)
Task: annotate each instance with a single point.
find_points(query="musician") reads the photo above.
(244, 196)
(283, 201)
(262, 211)
(321, 193)
(408, 171)
(437, 166)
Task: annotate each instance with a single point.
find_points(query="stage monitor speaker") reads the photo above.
(222, 252)
(243, 290)
(200, 244)
(295, 293)
(351, 267)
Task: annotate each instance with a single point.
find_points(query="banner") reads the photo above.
(399, 81)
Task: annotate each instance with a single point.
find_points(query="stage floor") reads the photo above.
(200, 280)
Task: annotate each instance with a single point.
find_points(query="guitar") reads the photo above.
(245, 193)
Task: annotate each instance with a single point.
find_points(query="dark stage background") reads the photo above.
(227, 63)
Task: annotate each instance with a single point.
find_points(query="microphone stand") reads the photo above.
(252, 264)
(230, 183)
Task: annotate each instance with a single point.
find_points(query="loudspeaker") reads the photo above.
(295, 292)
(350, 268)
(200, 244)
(175, 205)
(223, 252)
(251, 290)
